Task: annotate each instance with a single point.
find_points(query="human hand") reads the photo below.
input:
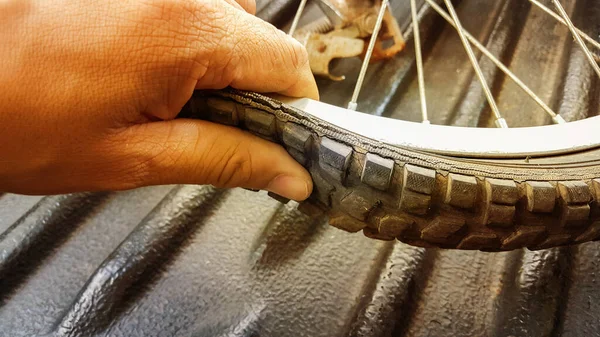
(90, 90)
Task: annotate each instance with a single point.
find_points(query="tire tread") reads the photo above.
(387, 198)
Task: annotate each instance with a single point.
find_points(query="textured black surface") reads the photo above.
(195, 261)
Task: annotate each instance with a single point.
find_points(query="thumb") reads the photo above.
(184, 151)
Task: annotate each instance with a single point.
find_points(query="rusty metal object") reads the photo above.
(323, 48)
(343, 34)
(356, 14)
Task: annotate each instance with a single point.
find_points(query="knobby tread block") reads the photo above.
(592, 233)
(335, 154)
(461, 190)
(377, 171)
(296, 137)
(499, 215)
(575, 198)
(501, 192)
(357, 206)
(311, 208)
(596, 189)
(298, 156)
(441, 229)
(476, 241)
(322, 190)
(418, 179)
(333, 174)
(575, 215)
(334, 158)
(524, 237)
(554, 241)
(500, 198)
(575, 192)
(417, 187)
(392, 225)
(346, 222)
(414, 201)
(541, 196)
(223, 112)
(259, 122)
(374, 234)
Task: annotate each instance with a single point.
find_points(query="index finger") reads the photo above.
(247, 5)
(254, 55)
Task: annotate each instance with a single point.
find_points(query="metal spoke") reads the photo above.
(468, 42)
(577, 37)
(555, 117)
(500, 122)
(363, 69)
(561, 20)
(419, 61)
(297, 17)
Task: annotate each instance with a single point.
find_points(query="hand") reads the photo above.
(90, 90)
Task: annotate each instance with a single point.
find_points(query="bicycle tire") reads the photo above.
(419, 198)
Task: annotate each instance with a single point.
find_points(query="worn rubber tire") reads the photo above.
(421, 199)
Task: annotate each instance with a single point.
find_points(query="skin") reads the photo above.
(90, 90)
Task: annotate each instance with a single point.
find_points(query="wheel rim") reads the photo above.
(459, 141)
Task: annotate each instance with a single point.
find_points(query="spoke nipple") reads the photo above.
(427, 122)
(352, 106)
(501, 123)
(559, 120)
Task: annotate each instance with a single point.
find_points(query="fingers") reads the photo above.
(247, 5)
(254, 55)
(199, 152)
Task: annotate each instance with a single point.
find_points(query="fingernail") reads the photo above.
(289, 187)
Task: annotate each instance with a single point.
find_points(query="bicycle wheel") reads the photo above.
(459, 187)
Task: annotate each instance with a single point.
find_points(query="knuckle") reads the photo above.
(226, 52)
(298, 54)
(182, 17)
(250, 5)
(175, 39)
(207, 16)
